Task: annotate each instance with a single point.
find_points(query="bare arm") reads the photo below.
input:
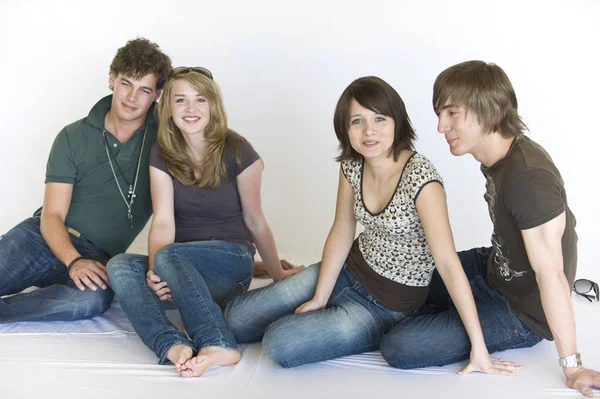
(85, 272)
(57, 200)
(433, 212)
(544, 250)
(249, 186)
(162, 229)
(338, 244)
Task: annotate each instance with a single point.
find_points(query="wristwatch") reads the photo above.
(573, 360)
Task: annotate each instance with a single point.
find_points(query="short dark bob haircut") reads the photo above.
(378, 96)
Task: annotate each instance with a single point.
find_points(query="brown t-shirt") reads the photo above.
(203, 213)
(525, 190)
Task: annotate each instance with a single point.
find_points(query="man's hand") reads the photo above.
(90, 273)
(582, 379)
(158, 286)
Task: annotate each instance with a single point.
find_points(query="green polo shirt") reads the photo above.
(97, 210)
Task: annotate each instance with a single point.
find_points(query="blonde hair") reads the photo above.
(216, 134)
(484, 89)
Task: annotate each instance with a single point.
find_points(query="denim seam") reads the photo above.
(244, 254)
(331, 300)
(223, 345)
(240, 284)
(184, 270)
(504, 303)
(162, 315)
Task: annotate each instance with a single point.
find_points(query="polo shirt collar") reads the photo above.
(99, 111)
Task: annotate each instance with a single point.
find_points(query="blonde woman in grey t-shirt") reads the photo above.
(205, 185)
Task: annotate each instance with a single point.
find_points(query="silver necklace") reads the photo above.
(131, 193)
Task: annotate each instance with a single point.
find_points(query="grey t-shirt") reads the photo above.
(203, 213)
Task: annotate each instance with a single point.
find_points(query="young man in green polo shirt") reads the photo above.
(97, 199)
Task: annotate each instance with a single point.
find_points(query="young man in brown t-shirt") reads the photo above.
(522, 284)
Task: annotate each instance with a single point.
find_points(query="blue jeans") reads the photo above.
(201, 275)
(352, 322)
(436, 335)
(26, 260)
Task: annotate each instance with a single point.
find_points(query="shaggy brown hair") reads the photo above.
(484, 89)
(140, 57)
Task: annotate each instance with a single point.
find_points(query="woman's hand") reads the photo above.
(311, 306)
(260, 270)
(482, 362)
(158, 286)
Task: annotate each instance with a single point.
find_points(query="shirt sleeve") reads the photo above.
(157, 160)
(61, 166)
(533, 198)
(352, 171)
(247, 156)
(421, 173)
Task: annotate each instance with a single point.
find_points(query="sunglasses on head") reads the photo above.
(182, 70)
(583, 287)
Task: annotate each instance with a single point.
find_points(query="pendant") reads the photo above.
(130, 193)
(130, 216)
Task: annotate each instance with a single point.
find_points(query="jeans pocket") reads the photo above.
(238, 289)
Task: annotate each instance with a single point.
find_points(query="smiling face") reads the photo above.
(190, 110)
(461, 128)
(371, 134)
(132, 98)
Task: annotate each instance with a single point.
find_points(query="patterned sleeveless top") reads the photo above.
(393, 243)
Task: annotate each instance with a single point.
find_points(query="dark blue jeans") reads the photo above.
(26, 260)
(202, 276)
(436, 336)
(352, 322)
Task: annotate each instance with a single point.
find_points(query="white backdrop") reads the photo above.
(282, 66)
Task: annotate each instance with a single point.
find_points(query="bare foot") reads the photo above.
(209, 357)
(179, 355)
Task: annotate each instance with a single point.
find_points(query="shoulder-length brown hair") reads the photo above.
(378, 96)
(174, 147)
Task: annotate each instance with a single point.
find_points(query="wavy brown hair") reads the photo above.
(484, 89)
(217, 136)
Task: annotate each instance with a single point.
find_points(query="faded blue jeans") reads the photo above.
(202, 276)
(26, 260)
(436, 336)
(352, 322)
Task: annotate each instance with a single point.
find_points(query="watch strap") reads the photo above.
(573, 360)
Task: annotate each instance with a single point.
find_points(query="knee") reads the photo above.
(163, 259)
(279, 345)
(400, 349)
(94, 303)
(236, 318)
(122, 268)
(122, 263)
